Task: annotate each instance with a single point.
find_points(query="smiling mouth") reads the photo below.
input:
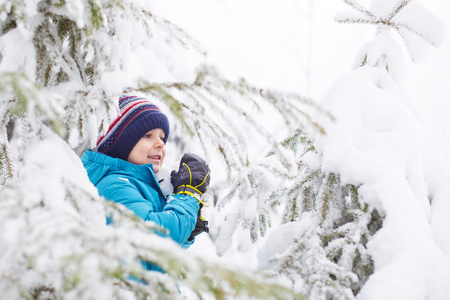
(157, 157)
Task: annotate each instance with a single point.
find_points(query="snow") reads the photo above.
(423, 22)
(382, 140)
(280, 239)
(17, 46)
(389, 134)
(378, 142)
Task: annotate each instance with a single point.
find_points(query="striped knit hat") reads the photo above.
(137, 117)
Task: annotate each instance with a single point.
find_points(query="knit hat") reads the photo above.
(137, 117)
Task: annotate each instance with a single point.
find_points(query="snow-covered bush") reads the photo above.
(365, 210)
(63, 65)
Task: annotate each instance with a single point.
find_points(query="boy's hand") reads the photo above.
(193, 176)
(200, 226)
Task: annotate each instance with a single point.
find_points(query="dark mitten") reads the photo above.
(193, 176)
(200, 226)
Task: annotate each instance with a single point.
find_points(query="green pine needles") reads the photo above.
(329, 257)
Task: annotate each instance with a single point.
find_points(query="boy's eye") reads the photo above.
(148, 136)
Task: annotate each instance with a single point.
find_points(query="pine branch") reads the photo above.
(358, 7)
(177, 33)
(280, 102)
(65, 30)
(400, 5)
(326, 196)
(95, 17)
(7, 163)
(176, 107)
(399, 26)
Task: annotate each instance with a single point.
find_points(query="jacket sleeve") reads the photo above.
(178, 216)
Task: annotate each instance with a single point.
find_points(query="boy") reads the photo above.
(124, 166)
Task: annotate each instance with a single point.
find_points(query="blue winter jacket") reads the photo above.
(136, 187)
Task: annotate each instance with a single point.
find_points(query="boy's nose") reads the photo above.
(159, 143)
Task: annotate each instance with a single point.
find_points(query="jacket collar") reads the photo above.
(104, 164)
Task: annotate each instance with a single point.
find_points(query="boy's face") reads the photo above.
(149, 150)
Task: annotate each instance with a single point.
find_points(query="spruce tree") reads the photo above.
(63, 66)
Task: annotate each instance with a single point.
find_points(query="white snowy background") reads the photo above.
(392, 134)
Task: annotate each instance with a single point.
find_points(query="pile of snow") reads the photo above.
(378, 141)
